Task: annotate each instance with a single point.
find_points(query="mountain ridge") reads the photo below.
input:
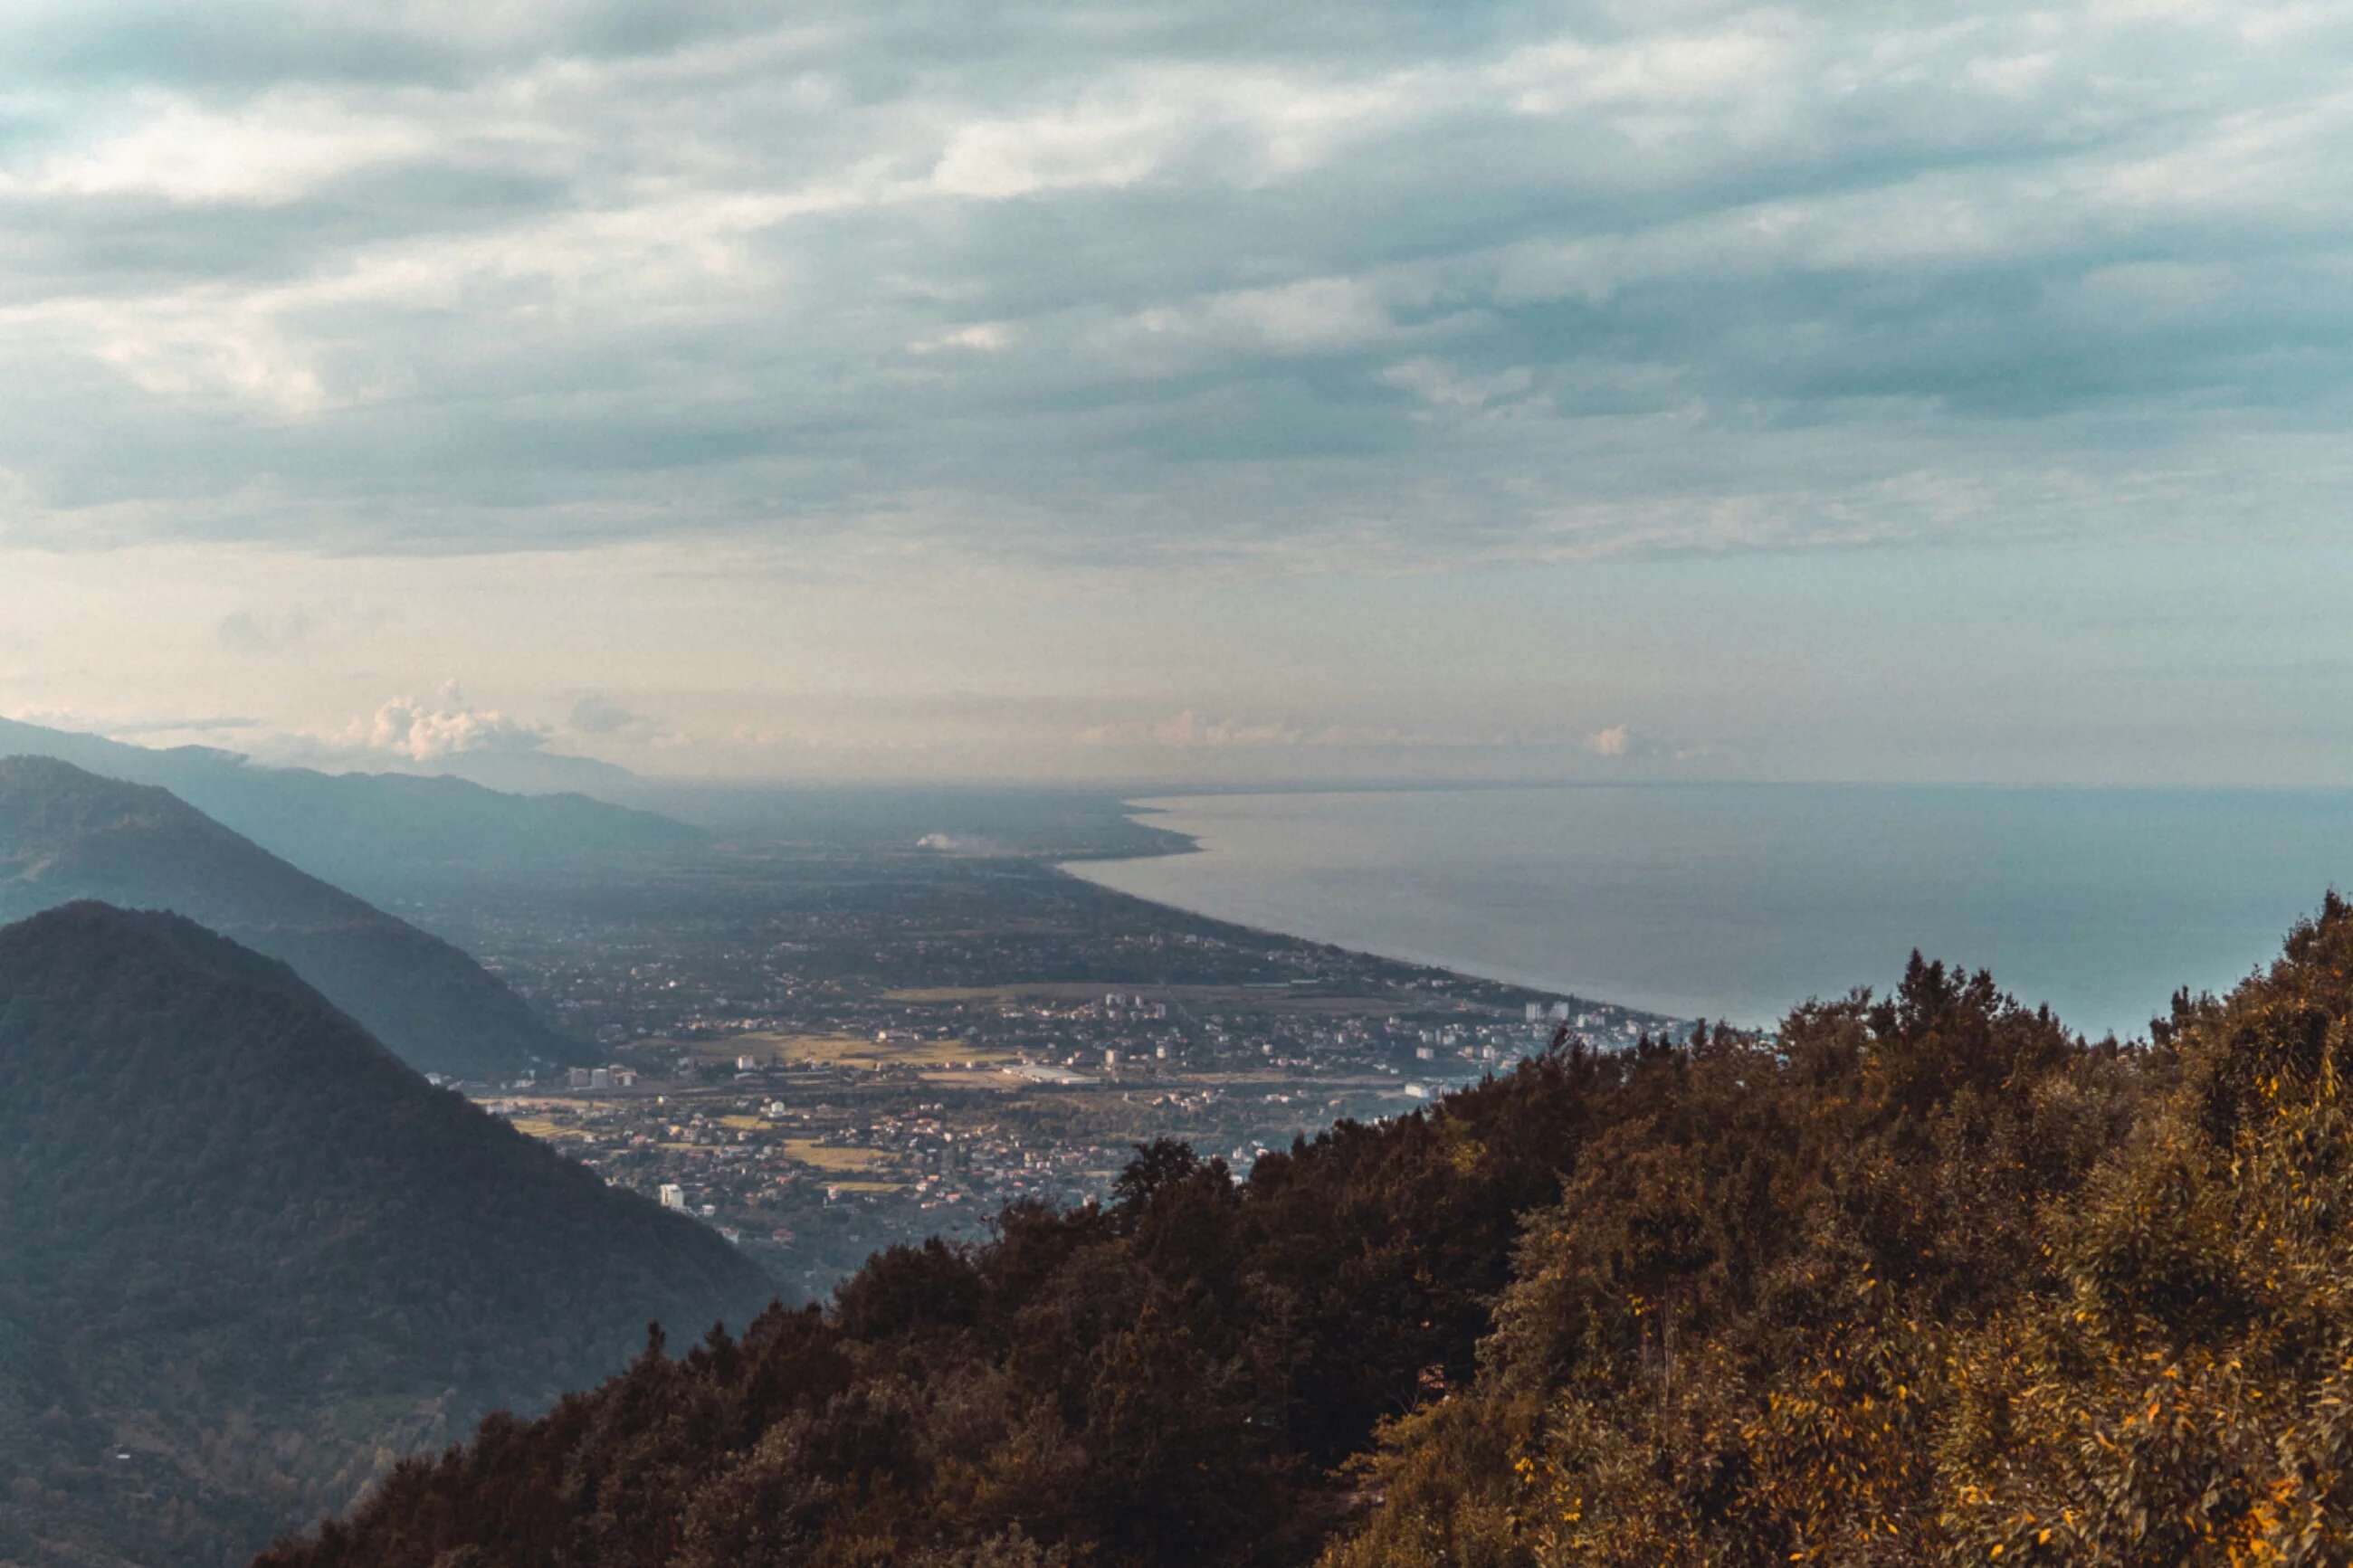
(67, 834)
(380, 834)
(254, 1256)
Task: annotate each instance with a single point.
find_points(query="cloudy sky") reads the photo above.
(1187, 389)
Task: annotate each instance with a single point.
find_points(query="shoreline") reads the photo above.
(1550, 988)
(2099, 903)
(1170, 842)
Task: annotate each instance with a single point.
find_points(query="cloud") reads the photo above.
(594, 715)
(424, 732)
(251, 631)
(1611, 742)
(1210, 282)
(982, 337)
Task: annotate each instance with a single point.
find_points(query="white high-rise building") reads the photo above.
(673, 1196)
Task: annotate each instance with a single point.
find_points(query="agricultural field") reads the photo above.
(859, 1051)
(832, 1157)
(540, 1128)
(1312, 998)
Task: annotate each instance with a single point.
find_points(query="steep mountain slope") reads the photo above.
(1924, 1279)
(67, 835)
(379, 834)
(250, 1256)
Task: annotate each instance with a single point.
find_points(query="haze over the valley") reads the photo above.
(1184, 392)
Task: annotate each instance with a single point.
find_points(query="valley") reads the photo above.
(824, 1050)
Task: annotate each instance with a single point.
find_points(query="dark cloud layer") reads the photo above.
(1394, 283)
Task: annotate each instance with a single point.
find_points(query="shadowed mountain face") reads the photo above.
(68, 835)
(250, 1256)
(382, 833)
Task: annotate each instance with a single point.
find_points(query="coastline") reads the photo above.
(1742, 901)
(1166, 841)
(1084, 869)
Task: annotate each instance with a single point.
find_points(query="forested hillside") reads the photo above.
(67, 835)
(1927, 1279)
(247, 1257)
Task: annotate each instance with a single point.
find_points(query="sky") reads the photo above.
(1186, 391)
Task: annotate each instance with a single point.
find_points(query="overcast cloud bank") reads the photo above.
(1373, 283)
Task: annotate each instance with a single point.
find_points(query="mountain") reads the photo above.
(383, 835)
(67, 835)
(250, 1256)
(545, 772)
(1920, 1279)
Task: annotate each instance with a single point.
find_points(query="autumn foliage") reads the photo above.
(1920, 1279)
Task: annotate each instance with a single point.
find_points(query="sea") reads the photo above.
(1738, 901)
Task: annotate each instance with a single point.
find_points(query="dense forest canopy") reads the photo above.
(1924, 1277)
(249, 1257)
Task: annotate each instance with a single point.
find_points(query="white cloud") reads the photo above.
(422, 732)
(1090, 146)
(983, 337)
(1744, 58)
(274, 149)
(1611, 742)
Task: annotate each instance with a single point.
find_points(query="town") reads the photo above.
(823, 1055)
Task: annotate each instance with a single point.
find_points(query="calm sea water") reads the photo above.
(1738, 900)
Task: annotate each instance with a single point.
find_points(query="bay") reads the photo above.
(1738, 900)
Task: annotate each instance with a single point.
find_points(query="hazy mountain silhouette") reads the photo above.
(376, 833)
(250, 1256)
(66, 833)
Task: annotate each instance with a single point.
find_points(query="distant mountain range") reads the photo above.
(381, 834)
(250, 1256)
(67, 835)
